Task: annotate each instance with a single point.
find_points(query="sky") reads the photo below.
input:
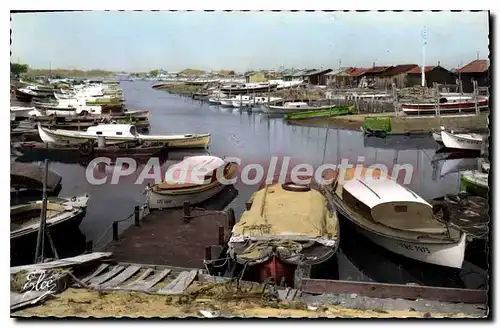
(136, 41)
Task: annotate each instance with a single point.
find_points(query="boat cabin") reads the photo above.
(384, 201)
(113, 130)
(296, 105)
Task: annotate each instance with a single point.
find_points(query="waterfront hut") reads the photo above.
(433, 74)
(395, 74)
(477, 70)
(316, 77)
(255, 77)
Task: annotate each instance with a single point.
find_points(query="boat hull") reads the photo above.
(448, 255)
(456, 141)
(437, 137)
(453, 107)
(200, 141)
(160, 201)
(473, 186)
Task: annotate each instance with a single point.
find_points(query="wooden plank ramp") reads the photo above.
(67, 262)
(179, 284)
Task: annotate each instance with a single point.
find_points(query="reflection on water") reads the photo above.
(254, 138)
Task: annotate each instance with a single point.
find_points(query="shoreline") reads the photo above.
(402, 125)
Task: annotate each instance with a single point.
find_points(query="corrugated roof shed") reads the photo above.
(317, 71)
(418, 70)
(476, 66)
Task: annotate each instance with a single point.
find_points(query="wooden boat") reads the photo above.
(396, 218)
(292, 107)
(475, 182)
(447, 163)
(194, 180)
(284, 226)
(27, 180)
(123, 132)
(447, 105)
(469, 141)
(61, 213)
(437, 136)
(24, 112)
(333, 111)
(90, 149)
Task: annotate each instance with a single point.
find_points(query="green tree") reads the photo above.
(154, 73)
(18, 69)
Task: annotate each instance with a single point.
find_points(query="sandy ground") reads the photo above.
(99, 304)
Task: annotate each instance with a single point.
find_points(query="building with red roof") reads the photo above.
(477, 70)
(433, 74)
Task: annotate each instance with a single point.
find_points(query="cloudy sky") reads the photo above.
(141, 41)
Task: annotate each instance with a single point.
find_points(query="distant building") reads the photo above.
(254, 77)
(477, 70)
(433, 74)
(396, 75)
(316, 77)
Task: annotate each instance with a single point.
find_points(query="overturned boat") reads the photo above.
(396, 218)
(284, 226)
(194, 180)
(123, 132)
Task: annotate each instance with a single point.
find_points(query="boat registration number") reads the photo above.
(163, 201)
(413, 248)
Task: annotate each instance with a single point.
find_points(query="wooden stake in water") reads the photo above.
(43, 216)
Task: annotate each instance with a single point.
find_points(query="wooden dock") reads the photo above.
(170, 237)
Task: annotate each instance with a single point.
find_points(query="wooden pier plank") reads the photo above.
(156, 279)
(141, 279)
(67, 262)
(98, 271)
(179, 284)
(382, 290)
(96, 281)
(124, 275)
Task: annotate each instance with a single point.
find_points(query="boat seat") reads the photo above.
(174, 186)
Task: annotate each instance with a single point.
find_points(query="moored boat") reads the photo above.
(284, 226)
(123, 132)
(396, 218)
(447, 105)
(291, 107)
(469, 141)
(194, 180)
(333, 111)
(61, 213)
(475, 182)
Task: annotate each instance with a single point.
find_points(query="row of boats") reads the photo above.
(292, 224)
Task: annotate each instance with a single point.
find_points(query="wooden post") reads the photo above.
(208, 253)
(186, 211)
(231, 219)
(115, 231)
(136, 216)
(221, 236)
(302, 272)
(39, 251)
(89, 246)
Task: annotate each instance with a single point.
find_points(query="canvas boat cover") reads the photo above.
(279, 212)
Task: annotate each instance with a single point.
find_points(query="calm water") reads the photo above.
(254, 138)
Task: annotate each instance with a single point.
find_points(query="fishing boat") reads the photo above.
(62, 213)
(448, 163)
(26, 180)
(20, 113)
(284, 226)
(229, 102)
(475, 182)
(468, 141)
(123, 132)
(447, 105)
(437, 136)
(291, 107)
(396, 218)
(194, 180)
(333, 111)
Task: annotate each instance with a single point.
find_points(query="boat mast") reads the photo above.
(424, 43)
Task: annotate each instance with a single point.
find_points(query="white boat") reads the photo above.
(445, 166)
(194, 180)
(123, 132)
(437, 136)
(235, 101)
(469, 141)
(291, 107)
(396, 218)
(24, 112)
(453, 104)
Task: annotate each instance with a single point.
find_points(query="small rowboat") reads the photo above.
(475, 182)
(333, 111)
(469, 141)
(194, 180)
